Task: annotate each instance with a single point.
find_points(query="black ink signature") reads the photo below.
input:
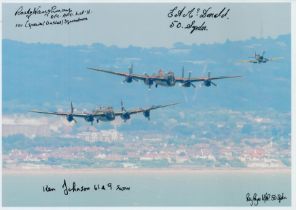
(255, 199)
(51, 16)
(39, 11)
(72, 187)
(180, 17)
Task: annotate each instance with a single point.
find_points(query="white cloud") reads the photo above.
(33, 126)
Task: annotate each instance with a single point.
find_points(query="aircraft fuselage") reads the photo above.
(168, 80)
(105, 115)
(261, 59)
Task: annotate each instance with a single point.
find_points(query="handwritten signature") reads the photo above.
(49, 16)
(73, 187)
(255, 199)
(180, 16)
(39, 11)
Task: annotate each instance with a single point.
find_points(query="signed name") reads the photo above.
(195, 19)
(48, 16)
(73, 187)
(255, 199)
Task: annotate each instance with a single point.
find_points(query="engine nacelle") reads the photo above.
(89, 118)
(207, 83)
(128, 79)
(70, 118)
(125, 116)
(147, 114)
(148, 82)
(171, 80)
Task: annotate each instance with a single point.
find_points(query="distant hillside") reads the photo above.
(49, 76)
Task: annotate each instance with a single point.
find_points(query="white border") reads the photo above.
(293, 96)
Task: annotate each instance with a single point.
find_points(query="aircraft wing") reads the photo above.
(139, 110)
(160, 106)
(275, 58)
(197, 79)
(65, 114)
(222, 77)
(52, 113)
(248, 61)
(123, 74)
(201, 79)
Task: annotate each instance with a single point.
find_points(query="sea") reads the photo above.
(147, 188)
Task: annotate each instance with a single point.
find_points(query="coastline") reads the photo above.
(42, 171)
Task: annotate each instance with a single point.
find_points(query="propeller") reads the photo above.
(208, 82)
(129, 78)
(213, 83)
(253, 56)
(72, 108)
(189, 77)
(125, 115)
(122, 107)
(148, 81)
(70, 115)
(209, 77)
(188, 83)
(130, 69)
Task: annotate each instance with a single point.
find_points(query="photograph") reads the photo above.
(146, 104)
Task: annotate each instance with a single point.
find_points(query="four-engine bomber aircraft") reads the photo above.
(260, 59)
(104, 113)
(164, 79)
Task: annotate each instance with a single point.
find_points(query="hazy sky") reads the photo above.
(147, 25)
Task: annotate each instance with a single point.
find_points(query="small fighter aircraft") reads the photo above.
(260, 58)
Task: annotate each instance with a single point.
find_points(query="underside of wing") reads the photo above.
(133, 111)
(194, 79)
(161, 106)
(144, 77)
(51, 113)
(223, 77)
(109, 72)
(248, 61)
(123, 74)
(275, 58)
(139, 110)
(118, 113)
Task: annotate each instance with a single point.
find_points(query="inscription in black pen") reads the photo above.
(46, 188)
(194, 18)
(255, 199)
(68, 188)
(73, 188)
(41, 16)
